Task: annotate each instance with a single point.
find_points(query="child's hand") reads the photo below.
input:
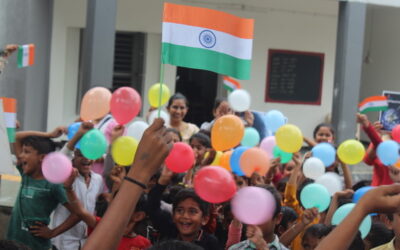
(255, 235)
(57, 132)
(345, 194)
(85, 127)
(41, 230)
(362, 119)
(382, 199)
(249, 118)
(309, 215)
(117, 174)
(297, 160)
(68, 183)
(166, 176)
(116, 132)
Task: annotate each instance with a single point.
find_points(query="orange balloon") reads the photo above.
(225, 159)
(254, 160)
(397, 164)
(227, 132)
(95, 104)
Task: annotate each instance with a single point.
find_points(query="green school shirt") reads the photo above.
(35, 202)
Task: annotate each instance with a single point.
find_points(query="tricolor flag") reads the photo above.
(26, 55)
(201, 38)
(10, 116)
(231, 84)
(373, 103)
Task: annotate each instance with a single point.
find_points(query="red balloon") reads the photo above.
(125, 104)
(396, 133)
(214, 184)
(181, 158)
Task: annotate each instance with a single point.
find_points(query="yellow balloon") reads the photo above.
(351, 152)
(216, 159)
(154, 95)
(123, 150)
(289, 138)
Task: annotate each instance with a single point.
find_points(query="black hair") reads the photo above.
(318, 231)
(202, 138)
(188, 193)
(177, 96)
(357, 243)
(288, 216)
(141, 205)
(175, 245)
(323, 125)
(41, 144)
(360, 184)
(379, 234)
(12, 245)
(218, 102)
(169, 196)
(277, 198)
(175, 131)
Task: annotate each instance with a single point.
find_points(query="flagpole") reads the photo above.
(161, 87)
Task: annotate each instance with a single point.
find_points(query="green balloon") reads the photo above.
(344, 210)
(285, 157)
(251, 137)
(93, 144)
(315, 195)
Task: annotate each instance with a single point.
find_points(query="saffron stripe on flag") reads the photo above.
(9, 104)
(31, 54)
(372, 99)
(208, 18)
(205, 59)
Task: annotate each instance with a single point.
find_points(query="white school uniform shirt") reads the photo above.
(87, 195)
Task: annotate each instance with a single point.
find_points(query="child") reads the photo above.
(200, 144)
(221, 108)
(37, 197)
(189, 215)
(313, 235)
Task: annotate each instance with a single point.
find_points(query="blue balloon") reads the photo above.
(325, 152)
(360, 192)
(274, 119)
(251, 137)
(235, 160)
(344, 210)
(388, 152)
(315, 195)
(72, 129)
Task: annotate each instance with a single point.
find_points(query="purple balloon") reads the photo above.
(56, 167)
(268, 144)
(253, 205)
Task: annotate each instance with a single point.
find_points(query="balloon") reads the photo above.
(181, 158)
(123, 150)
(56, 167)
(388, 152)
(125, 104)
(341, 213)
(251, 137)
(217, 158)
(253, 205)
(331, 181)
(397, 164)
(313, 168)
(93, 144)
(315, 195)
(95, 104)
(285, 157)
(239, 100)
(154, 95)
(396, 133)
(214, 184)
(235, 160)
(325, 152)
(227, 132)
(360, 192)
(136, 129)
(154, 114)
(225, 160)
(109, 130)
(254, 160)
(268, 145)
(351, 152)
(72, 129)
(289, 138)
(274, 119)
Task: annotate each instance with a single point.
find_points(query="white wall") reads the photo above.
(305, 25)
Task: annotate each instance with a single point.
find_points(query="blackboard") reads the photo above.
(294, 77)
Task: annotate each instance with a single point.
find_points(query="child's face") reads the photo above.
(324, 134)
(198, 149)
(222, 109)
(310, 242)
(288, 169)
(175, 137)
(30, 159)
(189, 218)
(81, 163)
(268, 228)
(394, 174)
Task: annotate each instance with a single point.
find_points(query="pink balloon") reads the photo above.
(268, 144)
(181, 158)
(125, 104)
(56, 167)
(110, 126)
(253, 205)
(214, 184)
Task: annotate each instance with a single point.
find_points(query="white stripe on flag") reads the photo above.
(186, 35)
(374, 104)
(10, 119)
(25, 57)
(229, 84)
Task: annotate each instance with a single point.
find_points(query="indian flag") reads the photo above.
(200, 38)
(231, 84)
(10, 116)
(373, 103)
(26, 55)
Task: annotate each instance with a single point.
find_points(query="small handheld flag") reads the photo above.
(231, 84)
(10, 116)
(26, 55)
(373, 103)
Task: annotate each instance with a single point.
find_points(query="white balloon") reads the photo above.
(136, 129)
(239, 100)
(313, 168)
(154, 114)
(331, 181)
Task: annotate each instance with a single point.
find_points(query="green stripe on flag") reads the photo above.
(371, 109)
(11, 134)
(206, 59)
(20, 57)
(227, 87)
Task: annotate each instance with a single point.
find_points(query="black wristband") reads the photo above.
(135, 182)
